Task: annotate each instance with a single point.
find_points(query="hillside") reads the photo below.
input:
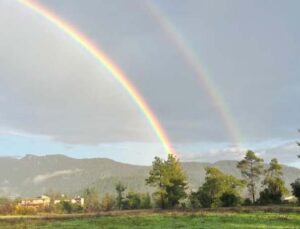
(34, 175)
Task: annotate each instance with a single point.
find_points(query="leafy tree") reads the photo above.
(91, 200)
(107, 202)
(296, 189)
(145, 201)
(133, 200)
(169, 179)
(251, 168)
(216, 184)
(274, 184)
(120, 188)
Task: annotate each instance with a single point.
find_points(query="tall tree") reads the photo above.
(251, 168)
(273, 183)
(157, 178)
(120, 188)
(169, 179)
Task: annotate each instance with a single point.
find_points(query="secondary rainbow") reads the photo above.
(103, 59)
(192, 59)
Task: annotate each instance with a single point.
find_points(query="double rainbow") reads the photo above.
(104, 60)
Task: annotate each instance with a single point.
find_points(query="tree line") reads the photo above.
(261, 185)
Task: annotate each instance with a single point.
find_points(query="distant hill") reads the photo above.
(35, 175)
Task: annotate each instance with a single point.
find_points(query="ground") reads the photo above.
(159, 220)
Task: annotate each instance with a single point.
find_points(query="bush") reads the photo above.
(6, 206)
(230, 199)
(296, 189)
(25, 210)
(247, 202)
(107, 202)
(268, 197)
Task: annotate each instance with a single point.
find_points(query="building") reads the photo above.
(41, 201)
(77, 200)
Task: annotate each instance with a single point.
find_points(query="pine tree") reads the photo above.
(251, 168)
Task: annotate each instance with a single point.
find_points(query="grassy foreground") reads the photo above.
(171, 220)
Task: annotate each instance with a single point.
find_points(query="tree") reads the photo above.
(230, 199)
(133, 200)
(216, 184)
(120, 188)
(145, 201)
(107, 202)
(273, 183)
(296, 189)
(91, 200)
(251, 168)
(169, 179)
(157, 178)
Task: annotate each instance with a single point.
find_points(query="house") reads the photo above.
(77, 200)
(41, 201)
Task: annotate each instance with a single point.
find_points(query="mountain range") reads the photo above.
(34, 175)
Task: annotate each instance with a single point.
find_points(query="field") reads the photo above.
(159, 220)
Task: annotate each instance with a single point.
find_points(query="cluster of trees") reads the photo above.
(264, 185)
(132, 200)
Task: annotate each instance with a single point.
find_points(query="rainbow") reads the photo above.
(203, 79)
(104, 60)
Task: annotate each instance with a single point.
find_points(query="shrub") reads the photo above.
(25, 210)
(296, 189)
(230, 199)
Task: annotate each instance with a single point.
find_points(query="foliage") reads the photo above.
(25, 210)
(145, 201)
(274, 184)
(216, 184)
(170, 181)
(120, 188)
(91, 200)
(230, 199)
(251, 168)
(107, 202)
(6, 206)
(296, 189)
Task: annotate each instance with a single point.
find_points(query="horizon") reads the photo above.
(214, 78)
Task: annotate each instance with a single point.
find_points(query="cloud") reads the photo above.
(285, 153)
(50, 86)
(227, 153)
(44, 177)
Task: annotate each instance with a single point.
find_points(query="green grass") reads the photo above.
(164, 221)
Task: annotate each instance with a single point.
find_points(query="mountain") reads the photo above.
(34, 175)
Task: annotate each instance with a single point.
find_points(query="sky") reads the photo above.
(221, 76)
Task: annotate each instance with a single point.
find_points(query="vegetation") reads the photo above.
(274, 184)
(251, 168)
(120, 188)
(170, 182)
(219, 189)
(91, 200)
(296, 189)
(175, 220)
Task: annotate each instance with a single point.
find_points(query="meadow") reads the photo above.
(160, 220)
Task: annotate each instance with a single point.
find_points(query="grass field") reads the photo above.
(165, 220)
